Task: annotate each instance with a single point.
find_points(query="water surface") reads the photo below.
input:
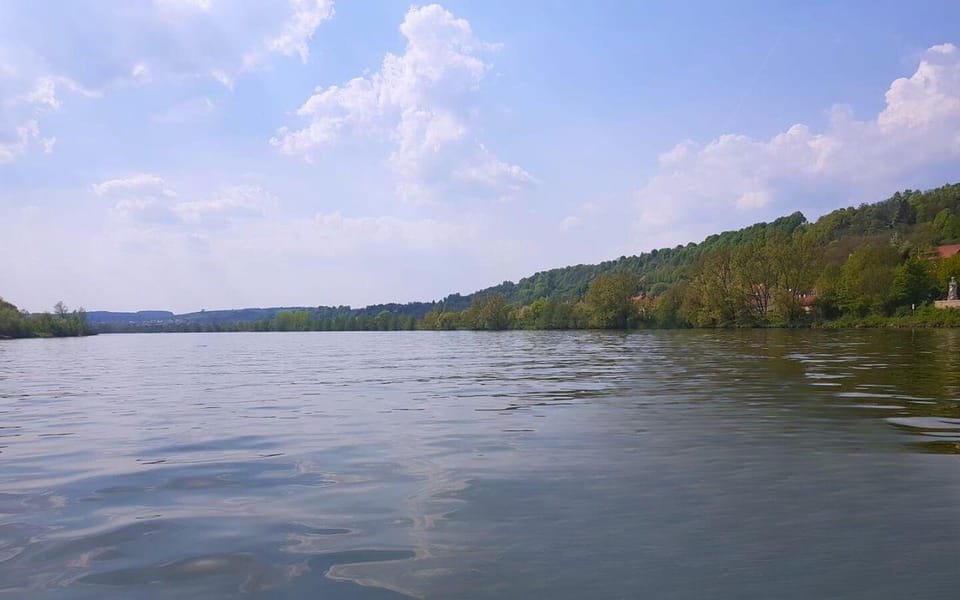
(761, 464)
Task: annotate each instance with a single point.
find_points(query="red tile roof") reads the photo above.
(948, 250)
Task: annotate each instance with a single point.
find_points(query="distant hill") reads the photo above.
(102, 317)
(150, 320)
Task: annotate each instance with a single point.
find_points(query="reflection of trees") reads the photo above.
(915, 373)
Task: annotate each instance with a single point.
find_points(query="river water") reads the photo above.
(675, 464)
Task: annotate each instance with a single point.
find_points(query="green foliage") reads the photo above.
(913, 283)
(944, 270)
(947, 226)
(488, 312)
(610, 301)
(865, 280)
(63, 323)
(12, 324)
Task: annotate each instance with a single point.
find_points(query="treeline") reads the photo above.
(335, 318)
(310, 321)
(876, 264)
(15, 323)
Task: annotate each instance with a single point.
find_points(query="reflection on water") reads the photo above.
(786, 464)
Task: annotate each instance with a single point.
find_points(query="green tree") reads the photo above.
(489, 312)
(947, 226)
(913, 283)
(610, 302)
(755, 274)
(12, 322)
(866, 278)
(539, 315)
(945, 269)
(716, 295)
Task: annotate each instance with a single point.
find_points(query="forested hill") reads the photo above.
(921, 219)
(658, 268)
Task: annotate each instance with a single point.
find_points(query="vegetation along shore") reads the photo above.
(63, 322)
(876, 265)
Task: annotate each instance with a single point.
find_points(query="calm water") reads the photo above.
(766, 464)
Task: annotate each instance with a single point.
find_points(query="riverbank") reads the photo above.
(17, 324)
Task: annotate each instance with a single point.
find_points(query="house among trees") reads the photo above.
(948, 250)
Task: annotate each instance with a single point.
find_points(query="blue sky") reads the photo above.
(189, 154)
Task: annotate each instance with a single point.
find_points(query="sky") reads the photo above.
(202, 154)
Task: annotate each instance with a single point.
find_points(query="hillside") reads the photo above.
(921, 219)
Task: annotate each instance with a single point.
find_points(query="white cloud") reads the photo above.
(918, 128)
(333, 234)
(184, 5)
(26, 104)
(294, 36)
(420, 100)
(231, 203)
(44, 92)
(140, 72)
(571, 223)
(147, 198)
(178, 40)
(307, 16)
(24, 136)
(222, 78)
(140, 181)
(191, 110)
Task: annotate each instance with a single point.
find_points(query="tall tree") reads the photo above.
(610, 300)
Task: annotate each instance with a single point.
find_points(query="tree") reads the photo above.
(755, 274)
(715, 296)
(610, 300)
(490, 312)
(913, 283)
(945, 269)
(947, 225)
(386, 321)
(866, 278)
(12, 322)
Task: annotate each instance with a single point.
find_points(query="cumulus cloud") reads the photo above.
(420, 101)
(918, 128)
